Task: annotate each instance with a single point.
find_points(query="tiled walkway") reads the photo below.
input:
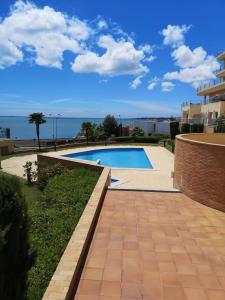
(155, 246)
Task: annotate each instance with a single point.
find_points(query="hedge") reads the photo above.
(137, 139)
(185, 128)
(54, 214)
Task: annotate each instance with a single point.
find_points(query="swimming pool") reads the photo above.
(116, 157)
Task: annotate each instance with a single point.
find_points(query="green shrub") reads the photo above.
(16, 257)
(147, 139)
(174, 129)
(47, 172)
(30, 171)
(137, 131)
(197, 128)
(220, 124)
(124, 139)
(160, 135)
(185, 128)
(54, 219)
(137, 139)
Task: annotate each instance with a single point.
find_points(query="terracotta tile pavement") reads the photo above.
(155, 246)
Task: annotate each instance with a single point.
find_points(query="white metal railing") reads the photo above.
(210, 84)
(192, 120)
(189, 103)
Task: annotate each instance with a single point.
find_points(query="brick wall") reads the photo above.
(199, 171)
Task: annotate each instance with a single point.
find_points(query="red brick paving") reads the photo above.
(155, 246)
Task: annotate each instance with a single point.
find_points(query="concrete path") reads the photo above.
(157, 178)
(14, 165)
(155, 246)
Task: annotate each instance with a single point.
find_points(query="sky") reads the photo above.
(85, 58)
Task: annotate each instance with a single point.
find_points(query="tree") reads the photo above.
(137, 131)
(37, 119)
(185, 128)
(100, 134)
(110, 125)
(197, 128)
(88, 128)
(174, 129)
(220, 124)
(16, 256)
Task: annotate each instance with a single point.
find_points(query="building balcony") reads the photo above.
(221, 55)
(190, 103)
(220, 73)
(192, 120)
(211, 88)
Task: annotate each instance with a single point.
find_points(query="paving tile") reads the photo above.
(174, 293)
(209, 281)
(215, 295)
(92, 274)
(195, 294)
(110, 289)
(89, 287)
(155, 246)
(131, 290)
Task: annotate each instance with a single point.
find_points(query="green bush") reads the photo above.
(160, 135)
(124, 139)
(137, 139)
(137, 131)
(16, 257)
(185, 128)
(147, 139)
(54, 217)
(174, 129)
(197, 128)
(220, 124)
(47, 172)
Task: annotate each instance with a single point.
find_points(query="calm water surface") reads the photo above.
(67, 127)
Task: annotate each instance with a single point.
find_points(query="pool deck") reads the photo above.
(155, 246)
(157, 178)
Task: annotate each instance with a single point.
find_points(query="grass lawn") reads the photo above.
(54, 214)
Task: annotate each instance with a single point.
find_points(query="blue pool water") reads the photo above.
(116, 157)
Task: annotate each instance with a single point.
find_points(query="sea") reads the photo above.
(21, 129)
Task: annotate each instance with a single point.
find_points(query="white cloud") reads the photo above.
(136, 82)
(150, 58)
(41, 35)
(185, 58)
(120, 58)
(43, 32)
(174, 34)
(9, 53)
(167, 86)
(196, 66)
(102, 24)
(153, 83)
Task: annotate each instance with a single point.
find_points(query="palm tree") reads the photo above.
(37, 119)
(87, 128)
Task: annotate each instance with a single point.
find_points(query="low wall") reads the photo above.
(199, 169)
(67, 162)
(67, 274)
(6, 146)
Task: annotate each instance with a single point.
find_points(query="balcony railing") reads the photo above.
(192, 120)
(189, 103)
(220, 52)
(209, 84)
